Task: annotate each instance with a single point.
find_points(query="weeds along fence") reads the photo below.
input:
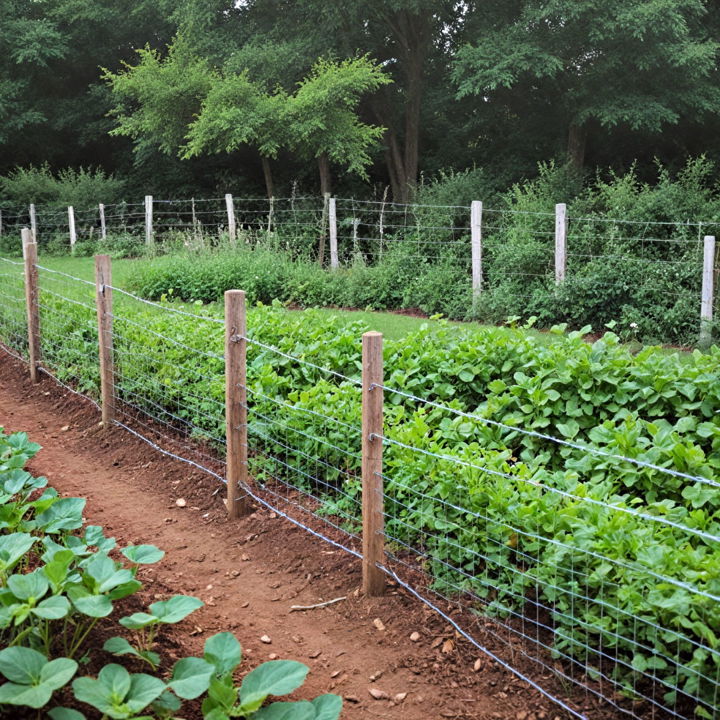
(599, 602)
(656, 279)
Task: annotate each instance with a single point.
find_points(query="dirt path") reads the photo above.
(251, 571)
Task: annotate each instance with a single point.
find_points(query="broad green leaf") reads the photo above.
(34, 696)
(143, 554)
(175, 609)
(191, 677)
(58, 672)
(21, 665)
(52, 608)
(224, 651)
(31, 586)
(119, 646)
(277, 677)
(89, 604)
(12, 548)
(327, 707)
(143, 690)
(93, 692)
(301, 710)
(138, 620)
(64, 514)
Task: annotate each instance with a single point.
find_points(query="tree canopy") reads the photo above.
(375, 93)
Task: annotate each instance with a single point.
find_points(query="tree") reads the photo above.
(158, 98)
(237, 112)
(323, 119)
(52, 102)
(642, 65)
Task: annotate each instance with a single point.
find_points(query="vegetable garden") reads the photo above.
(563, 492)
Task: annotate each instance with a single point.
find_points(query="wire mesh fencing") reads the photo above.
(13, 318)
(565, 577)
(596, 580)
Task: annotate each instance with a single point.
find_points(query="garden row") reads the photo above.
(622, 555)
(60, 578)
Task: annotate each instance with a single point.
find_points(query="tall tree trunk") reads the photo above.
(396, 168)
(414, 34)
(325, 179)
(577, 140)
(267, 173)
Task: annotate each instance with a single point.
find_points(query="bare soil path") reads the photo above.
(249, 572)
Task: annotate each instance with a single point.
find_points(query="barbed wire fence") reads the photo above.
(562, 578)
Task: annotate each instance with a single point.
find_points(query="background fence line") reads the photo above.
(483, 249)
(523, 558)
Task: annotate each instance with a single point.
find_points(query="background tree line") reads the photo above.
(198, 95)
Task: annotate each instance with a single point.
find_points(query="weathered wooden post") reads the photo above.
(149, 237)
(561, 228)
(332, 214)
(32, 302)
(103, 228)
(71, 227)
(232, 227)
(103, 303)
(708, 291)
(33, 222)
(476, 209)
(236, 403)
(372, 480)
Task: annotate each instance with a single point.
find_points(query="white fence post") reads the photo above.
(71, 226)
(232, 227)
(103, 228)
(149, 239)
(332, 215)
(476, 209)
(708, 290)
(561, 227)
(33, 222)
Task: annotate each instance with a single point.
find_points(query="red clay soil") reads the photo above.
(249, 572)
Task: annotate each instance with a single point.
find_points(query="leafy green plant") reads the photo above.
(32, 679)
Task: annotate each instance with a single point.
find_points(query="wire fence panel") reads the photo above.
(563, 574)
(68, 331)
(13, 314)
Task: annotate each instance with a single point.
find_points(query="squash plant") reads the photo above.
(74, 584)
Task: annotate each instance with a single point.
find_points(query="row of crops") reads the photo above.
(599, 555)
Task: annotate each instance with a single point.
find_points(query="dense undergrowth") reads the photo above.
(528, 526)
(634, 251)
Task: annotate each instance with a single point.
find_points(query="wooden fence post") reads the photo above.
(476, 209)
(708, 291)
(561, 227)
(372, 481)
(232, 227)
(32, 302)
(103, 303)
(149, 238)
(71, 227)
(33, 222)
(332, 215)
(103, 228)
(236, 403)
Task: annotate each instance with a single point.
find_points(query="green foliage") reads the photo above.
(642, 65)
(323, 117)
(75, 581)
(81, 188)
(158, 98)
(237, 112)
(473, 495)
